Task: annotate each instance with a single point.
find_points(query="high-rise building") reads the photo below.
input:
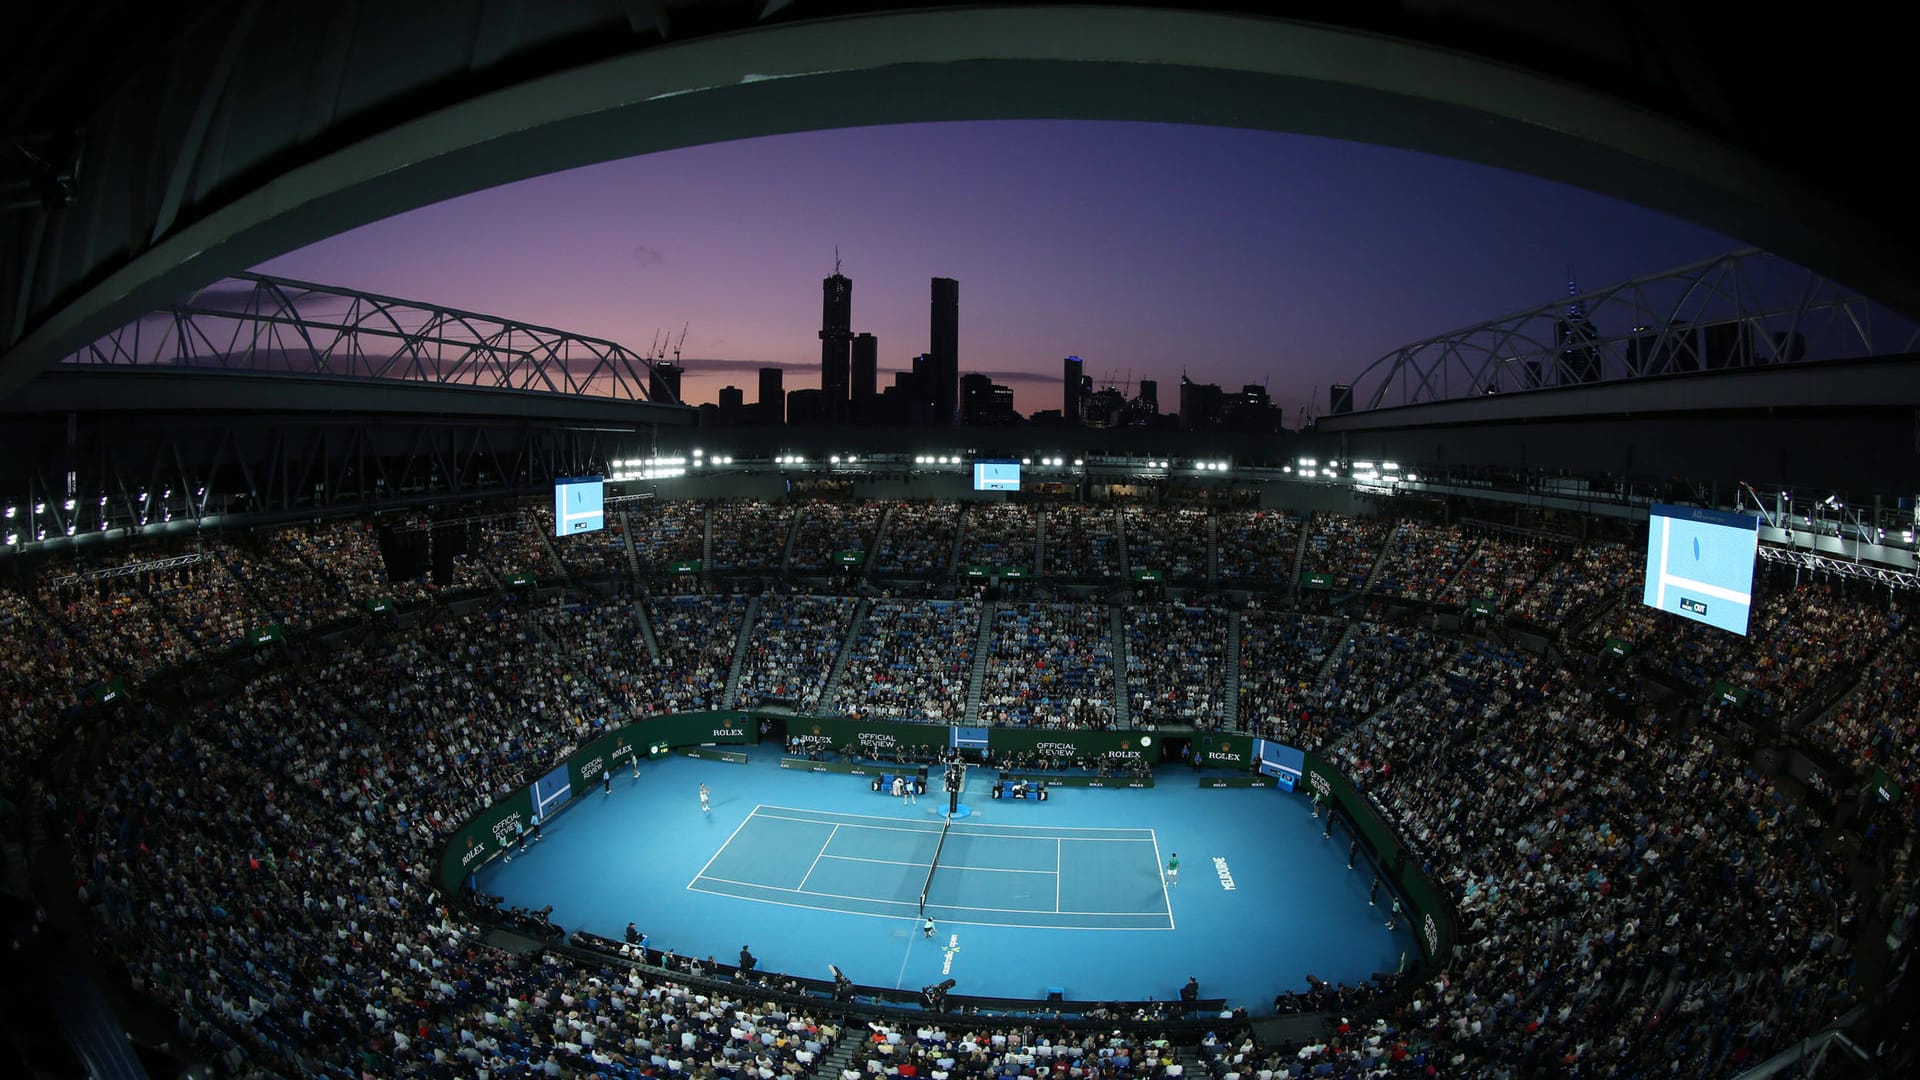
(1201, 404)
(663, 382)
(945, 349)
(773, 397)
(836, 337)
(1149, 396)
(1340, 399)
(733, 405)
(983, 401)
(866, 367)
(1579, 357)
(1070, 401)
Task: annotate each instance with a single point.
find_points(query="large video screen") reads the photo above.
(1280, 761)
(996, 476)
(1700, 564)
(577, 505)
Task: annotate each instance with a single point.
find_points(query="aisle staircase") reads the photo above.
(959, 534)
(553, 551)
(824, 704)
(1326, 666)
(1040, 544)
(1380, 560)
(646, 631)
(740, 652)
(1120, 541)
(873, 546)
(835, 1061)
(1122, 715)
(1213, 549)
(977, 679)
(793, 538)
(1299, 559)
(1230, 718)
(706, 539)
(633, 553)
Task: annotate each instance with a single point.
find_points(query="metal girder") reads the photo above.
(151, 565)
(1847, 568)
(1743, 309)
(234, 132)
(115, 477)
(259, 323)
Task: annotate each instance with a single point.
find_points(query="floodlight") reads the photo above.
(1026, 461)
(834, 460)
(69, 504)
(12, 539)
(1077, 462)
(39, 508)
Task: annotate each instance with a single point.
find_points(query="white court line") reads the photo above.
(964, 824)
(723, 847)
(923, 865)
(1056, 874)
(1160, 869)
(956, 922)
(1666, 537)
(972, 831)
(1719, 592)
(802, 887)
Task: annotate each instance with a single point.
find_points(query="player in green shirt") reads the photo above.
(1173, 870)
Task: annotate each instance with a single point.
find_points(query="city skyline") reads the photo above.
(1151, 250)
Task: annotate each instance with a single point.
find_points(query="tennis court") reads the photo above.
(1064, 878)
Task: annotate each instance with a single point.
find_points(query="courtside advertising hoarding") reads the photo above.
(578, 505)
(1700, 564)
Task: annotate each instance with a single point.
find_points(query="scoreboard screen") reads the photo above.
(1700, 564)
(996, 476)
(577, 505)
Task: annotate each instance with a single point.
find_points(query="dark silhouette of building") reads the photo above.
(983, 401)
(836, 338)
(1727, 344)
(773, 397)
(1149, 395)
(663, 381)
(733, 405)
(945, 350)
(1340, 399)
(1201, 405)
(1071, 380)
(809, 408)
(866, 368)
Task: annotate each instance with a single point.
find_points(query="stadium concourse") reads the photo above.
(252, 818)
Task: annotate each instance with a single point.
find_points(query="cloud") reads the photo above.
(1039, 378)
(718, 364)
(646, 256)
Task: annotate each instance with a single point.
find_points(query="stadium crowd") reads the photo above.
(1632, 897)
(1171, 539)
(1082, 540)
(1176, 665)
(791, 648)
(1256, 545)
(835, 526)
(1003, 534)
(911, 660)
(919, 537)
(1345, 547)
(1050, 666)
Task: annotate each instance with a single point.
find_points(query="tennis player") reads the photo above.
(705, 805)
(1173, 870)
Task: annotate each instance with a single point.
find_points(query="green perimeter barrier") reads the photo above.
(1121, 748)
(1235, 781)
(710, 754)
(872, 738)
(1432, 916)
(1224, 751)
(1056, 780)
(489, 832)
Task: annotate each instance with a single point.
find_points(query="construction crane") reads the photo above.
(677, 344)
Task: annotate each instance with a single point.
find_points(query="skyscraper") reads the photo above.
(945, 350)
(836, 336)
(866, 367)
(1071, 407)
(663, 382)
(773, 398)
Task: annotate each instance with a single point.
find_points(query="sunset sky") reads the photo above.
(1148, 249)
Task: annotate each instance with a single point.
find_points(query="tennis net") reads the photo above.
(937, 848)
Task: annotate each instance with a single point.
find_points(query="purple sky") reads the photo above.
(1148, 249)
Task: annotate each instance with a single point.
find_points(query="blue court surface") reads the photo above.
(811, 869)
(1033, 876)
